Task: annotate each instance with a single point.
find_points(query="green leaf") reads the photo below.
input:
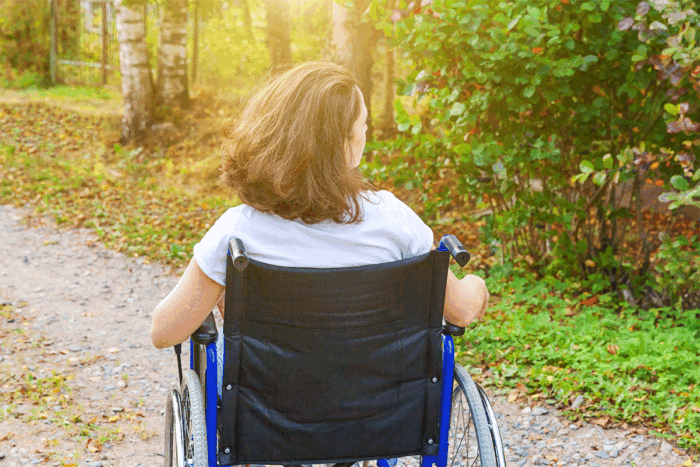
(679, 183)
(404, 126)
(608, 161)
(463, 148)
(586, 167)
(529, 91)
(457, 109)
(599, 178)
(672, 109)
(512, 24)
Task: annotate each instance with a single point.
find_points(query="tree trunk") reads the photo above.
(137, 83)
(278, 18)
(171, 87)
(195, 44)
(389, 124)
(68, 13)
(352, 40)
(247, 20)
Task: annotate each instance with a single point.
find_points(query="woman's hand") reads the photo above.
(466, 300)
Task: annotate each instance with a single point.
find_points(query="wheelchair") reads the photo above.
(331, 366)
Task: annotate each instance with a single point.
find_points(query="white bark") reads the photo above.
(341, 37)
(172, 54)
(137, 83)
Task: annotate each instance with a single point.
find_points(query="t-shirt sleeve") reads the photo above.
(210, 253)
(418, 237)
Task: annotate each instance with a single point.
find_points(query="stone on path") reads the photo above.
(665, 448)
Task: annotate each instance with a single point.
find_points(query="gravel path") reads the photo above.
(78, 313)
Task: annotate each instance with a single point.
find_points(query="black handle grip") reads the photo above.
(450, 329)
(206, 333)
(456, 249)
(238, 254)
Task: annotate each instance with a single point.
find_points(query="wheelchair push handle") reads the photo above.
(454, 246)
(461, 255)
(238, 254)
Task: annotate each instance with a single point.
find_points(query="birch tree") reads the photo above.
(278, 17)
(137, 83)
(171, 87)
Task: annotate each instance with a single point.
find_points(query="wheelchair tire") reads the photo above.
(470, 440)
(495, 431)
(174, 452)
(194, 422)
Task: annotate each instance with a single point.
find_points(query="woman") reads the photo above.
(292, 158)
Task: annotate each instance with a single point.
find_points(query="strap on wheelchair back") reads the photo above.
(178, 351)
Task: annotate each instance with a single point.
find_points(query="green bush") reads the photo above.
(536, 109)
(678, 273)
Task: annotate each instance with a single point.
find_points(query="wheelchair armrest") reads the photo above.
(450, 329)
(206, 333)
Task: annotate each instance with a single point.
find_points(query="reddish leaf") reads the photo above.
(537, 50)
(589, 301)
(639, 65)
(643, 8)
(625, 23)
(673, 127)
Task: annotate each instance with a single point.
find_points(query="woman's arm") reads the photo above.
(185, 308)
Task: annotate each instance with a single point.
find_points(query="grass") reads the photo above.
(78, 93)
(630, 366)
(93, 99)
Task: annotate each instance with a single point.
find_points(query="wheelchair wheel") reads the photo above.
(194, 424)
(174, 452)
(470, 440)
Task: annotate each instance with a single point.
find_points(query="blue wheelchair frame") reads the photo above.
(448, 362)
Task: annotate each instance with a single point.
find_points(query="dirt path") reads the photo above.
(76, 318)
(80, 383)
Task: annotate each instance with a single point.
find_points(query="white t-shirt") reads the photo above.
(389, 231)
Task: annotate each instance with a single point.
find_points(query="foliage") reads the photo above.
(629, 365)
(678, 274)
(668, 32)
(24, 44)
(536, 110)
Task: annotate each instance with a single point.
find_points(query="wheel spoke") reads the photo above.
(463, 450)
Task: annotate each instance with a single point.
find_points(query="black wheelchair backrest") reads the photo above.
(332, 365)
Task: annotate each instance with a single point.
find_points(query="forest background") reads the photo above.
(557, 138)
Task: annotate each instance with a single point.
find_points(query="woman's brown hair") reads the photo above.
(286, 153)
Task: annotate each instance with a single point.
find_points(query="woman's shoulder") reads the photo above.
(383, 201)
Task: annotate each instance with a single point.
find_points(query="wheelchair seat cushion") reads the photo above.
(332, 365)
